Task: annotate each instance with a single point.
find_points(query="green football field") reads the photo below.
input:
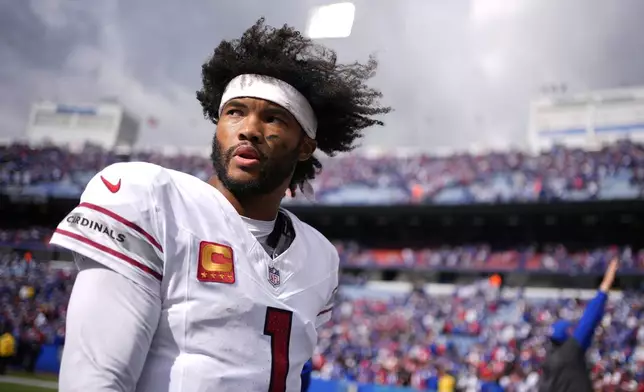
(6, 387)
(23, 382)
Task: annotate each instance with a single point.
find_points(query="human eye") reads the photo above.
(234, 112)
(276, 120)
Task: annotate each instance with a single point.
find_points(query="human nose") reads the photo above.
(252, 130)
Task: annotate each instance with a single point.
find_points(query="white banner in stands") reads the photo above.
(587, 120)
(106, 124)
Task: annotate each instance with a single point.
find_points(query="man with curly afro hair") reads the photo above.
(339, 101)
(187, 285)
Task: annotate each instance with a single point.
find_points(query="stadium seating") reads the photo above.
(614, 172)
(386, 338)
(33, 301)
(382, 337)
(477, 335)
(548, 259)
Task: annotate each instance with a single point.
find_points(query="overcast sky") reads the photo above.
(457, 72)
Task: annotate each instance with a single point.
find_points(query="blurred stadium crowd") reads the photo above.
(538, 259)
(473, 334)
(613, 172)
(33, 304)
(476, 336)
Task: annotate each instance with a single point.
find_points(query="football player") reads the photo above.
(191, 286)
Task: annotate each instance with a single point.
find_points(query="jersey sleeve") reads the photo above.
(325, 313)
(116, 223)
(106, 345)
(589, 321)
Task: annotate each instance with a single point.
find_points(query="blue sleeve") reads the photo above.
(306, 375)
(590, 320)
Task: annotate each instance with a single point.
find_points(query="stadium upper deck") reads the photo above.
(613, 172)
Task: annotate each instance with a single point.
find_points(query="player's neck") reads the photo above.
(261, 207)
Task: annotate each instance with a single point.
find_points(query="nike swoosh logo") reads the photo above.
(111, 187)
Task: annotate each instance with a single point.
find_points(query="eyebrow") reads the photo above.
(278, 110)
(272, 108)
(235, 103)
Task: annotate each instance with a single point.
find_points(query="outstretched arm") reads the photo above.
(595, 309)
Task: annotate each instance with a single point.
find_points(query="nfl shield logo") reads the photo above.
(274, 276)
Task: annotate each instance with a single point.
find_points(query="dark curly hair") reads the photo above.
(343, 103)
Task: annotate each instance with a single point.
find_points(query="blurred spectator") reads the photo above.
(446, 382)
(565, 368)
(7, 349)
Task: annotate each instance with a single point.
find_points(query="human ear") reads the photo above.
(307, 147)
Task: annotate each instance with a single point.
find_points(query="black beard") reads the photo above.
(272, 172)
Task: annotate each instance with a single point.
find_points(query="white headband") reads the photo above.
(276, 91)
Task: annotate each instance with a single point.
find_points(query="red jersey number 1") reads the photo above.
(278, 326)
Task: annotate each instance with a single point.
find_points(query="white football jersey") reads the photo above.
(233, 318)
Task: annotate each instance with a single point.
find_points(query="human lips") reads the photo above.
(246, 152)
(246, 155)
